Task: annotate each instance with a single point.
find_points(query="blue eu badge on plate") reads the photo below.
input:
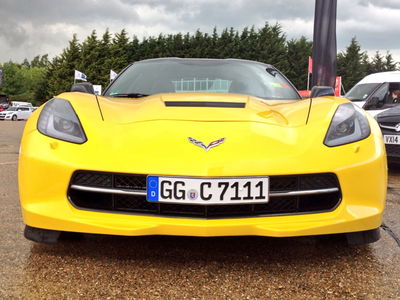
(152, 188)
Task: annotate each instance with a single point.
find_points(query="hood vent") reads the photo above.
(205, 104)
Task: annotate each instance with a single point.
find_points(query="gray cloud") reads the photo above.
(12, 33)
(28, 28)
(389, 4)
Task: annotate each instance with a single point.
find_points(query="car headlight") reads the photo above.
(59, 120)
(349, 124)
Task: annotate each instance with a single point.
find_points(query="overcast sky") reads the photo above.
(32, 27)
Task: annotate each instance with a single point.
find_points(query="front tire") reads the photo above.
(14, 118)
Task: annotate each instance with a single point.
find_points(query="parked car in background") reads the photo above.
(15, 113)
(389, 121)
(20, 103)
(4, 103)
(374, 92)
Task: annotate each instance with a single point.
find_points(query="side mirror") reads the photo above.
(374, 102)
(83, 87)
(322, 91)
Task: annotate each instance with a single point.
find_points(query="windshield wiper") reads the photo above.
(130, 95)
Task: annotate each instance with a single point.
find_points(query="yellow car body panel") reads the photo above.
(141, 136)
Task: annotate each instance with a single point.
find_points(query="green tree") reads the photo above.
(90, 60)
(39, 88)
(119, 51)
(44, 61)
(227, 45)
(272, 47)
(297, 57)
(351, 64)
(25, 63)
(41, 79)
(134, 53)
(13, 79)
(63, 67)
(35, 61)
(390, 64)
(378, 63)
(198, 45)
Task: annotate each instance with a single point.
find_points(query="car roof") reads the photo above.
(393, 76)
(203, 59)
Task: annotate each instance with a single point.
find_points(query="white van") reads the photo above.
(373, 92)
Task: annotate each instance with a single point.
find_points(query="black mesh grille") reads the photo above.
(135, 182)
(393, 150)
(308, 182)
(392, 124)
(283, 183)
(139, 204)
(136, 203)
(92, 179)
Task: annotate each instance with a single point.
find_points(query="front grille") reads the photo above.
(392, 150)
(288, 204)
(392, 124)
(110, 180)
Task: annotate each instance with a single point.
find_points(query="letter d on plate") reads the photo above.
(152, 188)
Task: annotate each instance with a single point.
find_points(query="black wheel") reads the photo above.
(14, 118)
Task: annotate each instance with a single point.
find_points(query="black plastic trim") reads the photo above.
(205, 104)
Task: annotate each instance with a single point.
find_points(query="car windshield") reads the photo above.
(361, 92)
(197, 75)
(12, 109)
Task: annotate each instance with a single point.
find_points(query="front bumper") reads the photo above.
(5, 117)
(44, 178)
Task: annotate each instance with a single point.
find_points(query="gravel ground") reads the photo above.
(156, 267)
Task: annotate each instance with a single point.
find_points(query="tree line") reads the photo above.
(41, 78)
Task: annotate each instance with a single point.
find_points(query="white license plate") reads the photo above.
(207, 191)
(392, 139)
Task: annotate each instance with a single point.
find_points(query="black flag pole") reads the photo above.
(324, 43)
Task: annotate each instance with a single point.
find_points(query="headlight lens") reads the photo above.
(349, 124)
(59, 120)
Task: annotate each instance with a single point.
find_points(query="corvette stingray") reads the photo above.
(201, 147)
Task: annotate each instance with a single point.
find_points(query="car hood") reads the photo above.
(262, 135)
(392, 113)
(205, 107)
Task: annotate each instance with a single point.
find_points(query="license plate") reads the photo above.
(207, 191)
(392, 139)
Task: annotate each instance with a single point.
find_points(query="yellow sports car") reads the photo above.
(201, 147)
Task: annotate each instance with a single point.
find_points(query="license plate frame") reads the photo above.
(194, 190)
